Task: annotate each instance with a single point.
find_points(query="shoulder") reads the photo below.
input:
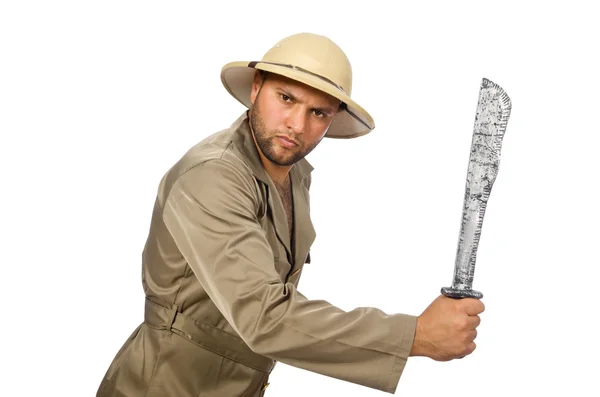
(210, 164)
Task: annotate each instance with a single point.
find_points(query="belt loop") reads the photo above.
(172, 315)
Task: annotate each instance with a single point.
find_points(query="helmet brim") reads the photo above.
(353, 121)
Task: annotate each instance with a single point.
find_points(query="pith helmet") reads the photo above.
(311, 59)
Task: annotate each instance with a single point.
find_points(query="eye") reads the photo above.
(285, 98)
(318, 113)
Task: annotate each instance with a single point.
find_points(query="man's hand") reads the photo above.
(447, 328)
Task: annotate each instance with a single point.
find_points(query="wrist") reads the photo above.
(420, 345)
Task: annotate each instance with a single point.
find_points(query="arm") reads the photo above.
(211, 214)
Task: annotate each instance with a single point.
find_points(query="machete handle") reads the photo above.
(458, 293)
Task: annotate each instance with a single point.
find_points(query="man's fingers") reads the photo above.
(473, 334)
(471, 348)
(474, 321)
(473, 307)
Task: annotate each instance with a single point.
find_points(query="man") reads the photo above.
(229, 237)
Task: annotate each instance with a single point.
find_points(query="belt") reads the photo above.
(205, 336)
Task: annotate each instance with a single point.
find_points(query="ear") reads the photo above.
(256, 84)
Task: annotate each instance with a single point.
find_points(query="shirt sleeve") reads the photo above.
(212, 212)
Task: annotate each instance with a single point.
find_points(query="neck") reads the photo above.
(278, 173)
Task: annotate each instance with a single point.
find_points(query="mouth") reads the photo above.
(285, 141)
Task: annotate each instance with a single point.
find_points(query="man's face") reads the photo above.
(289, 118)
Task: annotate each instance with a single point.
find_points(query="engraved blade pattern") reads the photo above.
(493, 112)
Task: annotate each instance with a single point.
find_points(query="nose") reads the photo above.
(296, 120)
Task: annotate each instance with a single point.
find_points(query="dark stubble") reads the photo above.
(264, 139)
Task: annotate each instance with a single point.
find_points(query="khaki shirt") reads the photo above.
(220, 274)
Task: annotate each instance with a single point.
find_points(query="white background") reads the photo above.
(99, 99)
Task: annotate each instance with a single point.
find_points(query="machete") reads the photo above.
(491, 118)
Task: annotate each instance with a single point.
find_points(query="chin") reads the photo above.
(283, 160)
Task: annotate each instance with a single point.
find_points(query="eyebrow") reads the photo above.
(324, 109)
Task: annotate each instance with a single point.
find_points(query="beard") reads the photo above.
(264, 139)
